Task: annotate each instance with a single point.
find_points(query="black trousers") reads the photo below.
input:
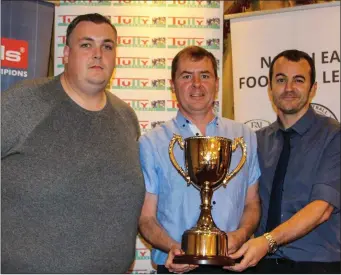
(202, 269)
(283, 266)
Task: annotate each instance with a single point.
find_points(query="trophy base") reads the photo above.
(203, 260)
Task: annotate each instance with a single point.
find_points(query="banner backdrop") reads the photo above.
(150, 34)
(26, 31)
(259, 37)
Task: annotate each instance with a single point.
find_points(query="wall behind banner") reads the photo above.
(150, 33)
(24, 24)
(314, 29)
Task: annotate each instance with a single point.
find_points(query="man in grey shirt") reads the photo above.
(300, 223)
(72, 187)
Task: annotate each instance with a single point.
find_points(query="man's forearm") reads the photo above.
(250, 219)
(304, 221)
(157, 236)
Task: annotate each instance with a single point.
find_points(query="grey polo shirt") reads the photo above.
(313, 173)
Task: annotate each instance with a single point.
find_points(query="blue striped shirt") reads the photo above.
(178, 206)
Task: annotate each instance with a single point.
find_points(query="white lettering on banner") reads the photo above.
(14, 56)
(253, 50)
(13, 72)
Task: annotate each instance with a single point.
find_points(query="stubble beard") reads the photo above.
(292, 110)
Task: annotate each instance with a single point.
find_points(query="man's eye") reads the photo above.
(85, 45)
(186, 76)
(280, 80)
(205, 76)
(299, 80)
(108, 47)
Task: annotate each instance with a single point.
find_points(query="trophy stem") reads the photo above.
(205, 221)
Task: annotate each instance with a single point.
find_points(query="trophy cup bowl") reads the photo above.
(207, 161)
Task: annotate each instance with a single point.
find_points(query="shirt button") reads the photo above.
(214, 202)
(187, 120)
(183, 125)
(197, 134)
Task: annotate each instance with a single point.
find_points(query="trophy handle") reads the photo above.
(237, 142)
(178, 139)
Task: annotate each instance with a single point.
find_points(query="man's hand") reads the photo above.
(177, 268)
(235, 240)
(252, 252)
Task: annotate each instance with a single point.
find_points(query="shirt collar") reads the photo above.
(182, 120)
(301, 126)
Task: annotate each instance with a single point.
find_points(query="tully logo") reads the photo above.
(65, 20)
(140, 62)
(141, 41)
(181, 42)
(194, 4)
(193, 22)
(139, 21)
(138, 84)
(146, 105)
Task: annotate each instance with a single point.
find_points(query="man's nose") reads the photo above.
(97, 53)
(289, 85)
(196, 81)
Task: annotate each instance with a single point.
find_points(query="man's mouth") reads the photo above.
(197, 94)
(289, 96)
(96, 67)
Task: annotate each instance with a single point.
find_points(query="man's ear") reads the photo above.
(66, 52)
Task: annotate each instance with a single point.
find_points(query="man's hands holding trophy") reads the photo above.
(207, 160)
(235, 240)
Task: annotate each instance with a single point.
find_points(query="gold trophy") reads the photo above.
(207, 160)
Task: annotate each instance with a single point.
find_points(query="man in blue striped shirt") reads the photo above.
(170, 207)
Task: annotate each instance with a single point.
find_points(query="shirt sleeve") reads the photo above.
(327, 184)
(12, 121)
(21, 111)
(148, 164)
(254, 169)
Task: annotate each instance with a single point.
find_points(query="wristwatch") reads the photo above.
(272, 243)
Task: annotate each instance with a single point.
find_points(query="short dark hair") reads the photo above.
(194, 53)
(90, 17)
(295, 56)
